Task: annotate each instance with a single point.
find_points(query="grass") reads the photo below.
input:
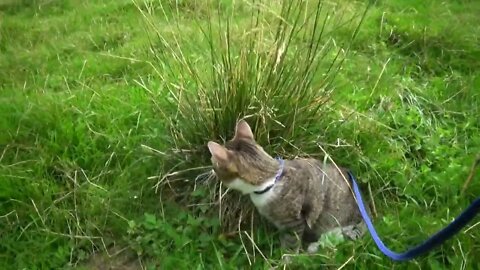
(88, 132)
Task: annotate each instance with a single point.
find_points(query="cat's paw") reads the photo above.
(313, 248)
(353, 232)
(331, 238)
(286, 259)
(290, 242)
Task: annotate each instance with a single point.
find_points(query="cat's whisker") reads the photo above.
(208, 175)
(165, 177)
(200, 204)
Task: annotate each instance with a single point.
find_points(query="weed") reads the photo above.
(276, 71)
(96, 109)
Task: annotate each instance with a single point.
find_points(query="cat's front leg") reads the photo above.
(355, 232)
(291, 236)
(290, 241)
(350, 232)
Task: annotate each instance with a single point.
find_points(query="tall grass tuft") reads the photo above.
(275, 69)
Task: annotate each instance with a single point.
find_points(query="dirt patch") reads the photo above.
(114, 258)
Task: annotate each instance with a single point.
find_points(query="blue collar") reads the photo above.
(277, 177)
(280, 170)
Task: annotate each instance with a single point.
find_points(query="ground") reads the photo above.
(83, 139)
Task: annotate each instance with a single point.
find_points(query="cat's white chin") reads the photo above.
(259, 200)
(247, 188)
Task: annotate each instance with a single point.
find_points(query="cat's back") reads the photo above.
(330, 188)
(310, 181)
(326, 189)
(309, 188)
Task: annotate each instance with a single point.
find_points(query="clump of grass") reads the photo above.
(74, 176)
(274, 68)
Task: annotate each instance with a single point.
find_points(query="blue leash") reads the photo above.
(441, 236)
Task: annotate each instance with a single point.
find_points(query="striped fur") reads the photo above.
(311, 197)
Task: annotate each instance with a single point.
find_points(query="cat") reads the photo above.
(303, 198)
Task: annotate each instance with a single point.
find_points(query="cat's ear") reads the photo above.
(243, 131)
(218, 152)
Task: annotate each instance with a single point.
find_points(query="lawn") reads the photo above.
(106, 108)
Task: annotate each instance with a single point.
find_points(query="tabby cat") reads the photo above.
(304, 198)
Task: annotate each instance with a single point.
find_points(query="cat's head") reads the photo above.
(241, 163)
